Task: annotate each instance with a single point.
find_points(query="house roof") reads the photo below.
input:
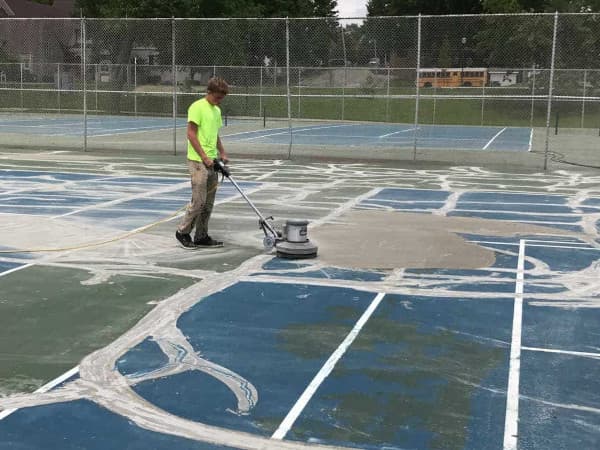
(27, 8)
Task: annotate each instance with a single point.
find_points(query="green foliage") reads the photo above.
(208, 8)
(501, 6)
(412, 7)
(435, 7)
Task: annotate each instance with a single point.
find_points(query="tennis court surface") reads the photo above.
(448, 308)
(101, 130)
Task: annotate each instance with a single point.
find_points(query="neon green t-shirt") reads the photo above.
(208, 118)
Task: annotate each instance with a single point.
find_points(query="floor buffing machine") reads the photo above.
(292, 242)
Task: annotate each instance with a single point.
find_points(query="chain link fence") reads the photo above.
(422, 87)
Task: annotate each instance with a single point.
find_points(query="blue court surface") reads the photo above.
(125, 203)
(492, 138)
(501, 357)
(96, 125)
(396, 135)
(557, 211)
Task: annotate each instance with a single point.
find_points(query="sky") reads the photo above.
(352, 8)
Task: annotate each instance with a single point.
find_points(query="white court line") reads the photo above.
(548, 241)
(44, 125)
(45, 388)
(135, 130)
(251, 132)
(563, 352)
(511, 421)
(16, 268)
(174, 187)
(132, 130)
(527, 213)
(289, 420)
(397, 132)
(562, 246)
(492, 139)
(535, 245)
(294, 131)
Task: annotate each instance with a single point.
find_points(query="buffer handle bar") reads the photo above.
(220, 166)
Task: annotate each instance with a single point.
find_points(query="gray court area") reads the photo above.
(270, 137)
(450, 306)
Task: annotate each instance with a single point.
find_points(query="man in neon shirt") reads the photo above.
(204, 145)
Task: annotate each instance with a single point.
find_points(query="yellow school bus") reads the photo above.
(453, 77)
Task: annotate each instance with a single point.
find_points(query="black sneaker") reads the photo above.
(185, 240)
(207, 242)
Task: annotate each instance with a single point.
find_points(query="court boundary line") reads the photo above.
(327, 368)
(562, 352)
(397, 132)
(45, 388)
(485, 147)
(287, 131)
(511, 421)
(514, 244)
(14, 269)
(135, 130)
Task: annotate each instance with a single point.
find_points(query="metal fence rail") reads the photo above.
(535, 71)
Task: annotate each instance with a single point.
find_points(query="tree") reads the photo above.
(414, 7)
(208, 8)
(437, 7)
(325, 8)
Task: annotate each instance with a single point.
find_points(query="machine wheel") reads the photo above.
(269, 242)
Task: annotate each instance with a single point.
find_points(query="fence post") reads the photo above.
(96, 76)
(299, 89)
(583, 100)
(174, 71)
(434, 96)
(84, 80)
(482, 101)
(260, 92)
(287, 75)
(345, 74)
(135, 86)
(417, 88)
(21, 83)
(387, 97)
(58, 82)
(532, 98)
(550, 88)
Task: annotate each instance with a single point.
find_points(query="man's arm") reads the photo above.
(221, 149)
(192, 135)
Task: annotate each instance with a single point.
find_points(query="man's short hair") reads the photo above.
(217, 85)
